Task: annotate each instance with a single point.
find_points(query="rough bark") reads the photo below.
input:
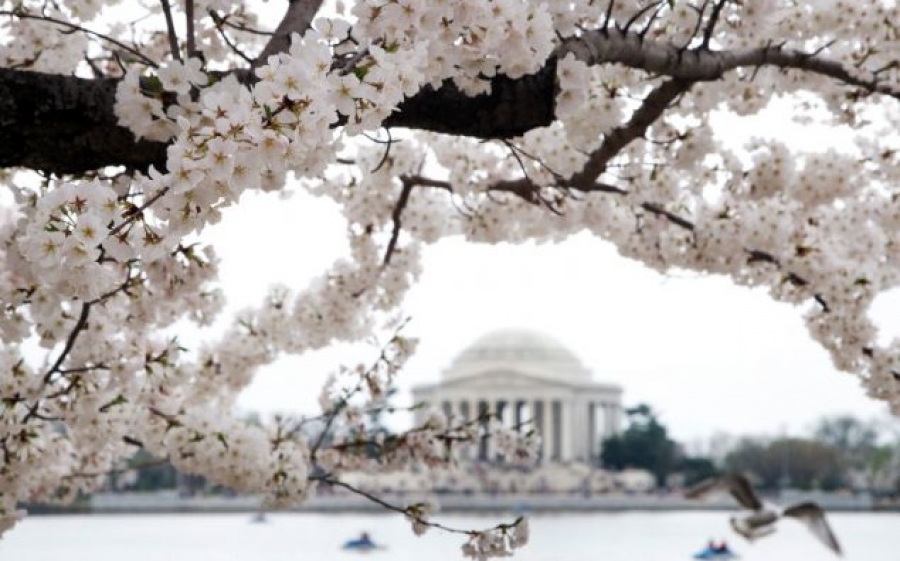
(65, 124)
(513, 107)
(62, 124)
(299, 15)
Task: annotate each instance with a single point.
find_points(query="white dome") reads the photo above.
(519, 350)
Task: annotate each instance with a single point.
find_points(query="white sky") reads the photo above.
(707, 355)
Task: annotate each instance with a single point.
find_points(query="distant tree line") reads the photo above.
(842, 452)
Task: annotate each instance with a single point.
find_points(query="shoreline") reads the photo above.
(171, 503)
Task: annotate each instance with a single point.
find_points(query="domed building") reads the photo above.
(527, 376)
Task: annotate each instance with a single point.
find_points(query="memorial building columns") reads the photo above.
(529, 382)
(569, 427)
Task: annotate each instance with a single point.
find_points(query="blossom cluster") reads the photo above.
(466, 41)
(501, 541)
(98, 271)
(351, 396)
(26, 42)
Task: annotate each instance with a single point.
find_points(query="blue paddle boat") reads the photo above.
(362, 543)
(716, 552)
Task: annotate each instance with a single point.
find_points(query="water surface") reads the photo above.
(638, 536)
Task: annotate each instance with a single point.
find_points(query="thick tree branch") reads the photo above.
(653, 106)
(65, 124)
(513, 107)
(299, 15)
(704, 65)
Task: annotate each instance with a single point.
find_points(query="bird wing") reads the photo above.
(813, 517)
(755, 525)
(734, 483)
(761, 532)
(740, 488)
(760, 518)
(703, 488)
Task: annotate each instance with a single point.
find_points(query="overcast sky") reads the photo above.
(707, 355)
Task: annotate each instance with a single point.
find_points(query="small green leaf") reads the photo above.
(152, 85)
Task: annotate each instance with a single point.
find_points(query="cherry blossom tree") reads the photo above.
(127, 127)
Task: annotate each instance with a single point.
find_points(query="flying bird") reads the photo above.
(762, 518)
(733, 483)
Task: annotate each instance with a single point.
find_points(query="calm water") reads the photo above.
(294, 537)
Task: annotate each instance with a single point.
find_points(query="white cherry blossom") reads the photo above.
(98, 265)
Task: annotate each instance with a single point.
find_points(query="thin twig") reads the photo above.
(711, 23)
(387, 151)
(638, 14)
(659, 210)
(189, 25)
(224, 20)
(134, 213)
(332, 415)
(170, 30)
(606, 20)
(409, 511)
(395, 217)
(231, 45)
(649, 24)
(23, 15)
(80, 324)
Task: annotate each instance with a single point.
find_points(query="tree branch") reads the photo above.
(66, 124)
(80, 324)
(396, 216)
(191, 45)
(703, 65)
(711, 23)
(170, 30)
(653, 106)
(75, 27)
(513, 107)
(297, 19)
(410, 511)
(220, 22)
(659, 210)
